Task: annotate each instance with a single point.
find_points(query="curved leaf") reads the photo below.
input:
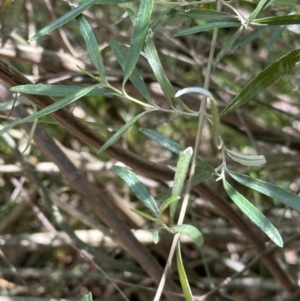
(192, 232)
(247, 160)
(183, 277)
(253, 214)
(285, 196)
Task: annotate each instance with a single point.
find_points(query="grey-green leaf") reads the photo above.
(143, 214)
(191, 231)
(73, 13)
(56, 90)
(158, 70)
(118, 134)
(135, 77)
(92, 45)
(139, 35)
(253, 214)
(264, 80)
(260, 6)
(206, 27)
(280, 20)
(247, 160)
(50, 109)
(172, 146)
(139, 189)
(285, 196)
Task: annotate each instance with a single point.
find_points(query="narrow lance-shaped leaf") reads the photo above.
(206, 27)
(143, 214)
(57, 90)
(260, 6)
(139, 189)
(107, 1)
(158, 70)
(264, 80)
(92, 45)
(73, 13)
(172, 146)
(253, 214)
(247, 160)
(180, 175)
(138, 37)
(285, 196)
(215, 123)
(116, 136)
(191, 231)
(135, 77)
(227, 47)
(50, 109)
(182, 276)
(280, 20)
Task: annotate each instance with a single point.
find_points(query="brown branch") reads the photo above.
(138, 164)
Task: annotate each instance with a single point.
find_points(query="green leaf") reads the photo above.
(167, 203)
(215, 123)
(248, 38)
(56, 90)
(158, 70)
(92, 45)
(275, 36)
(139, 189)
(107, 1)
(183, 277)
(206, 27)
(51, 108)
(73, 13)
(204, 14)
(191, 231)
(180, 175)
(155, 235)
(135, 77)
(253, 214)
(173, 146)
(117, 135)
(247, 160)
(285, 196)
(264, 80)
(260, 6)
(143, 214)
(87, 297)
(280, 20)
(139, 35)
(227, 47)
(181, 170)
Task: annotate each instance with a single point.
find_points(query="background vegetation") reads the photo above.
(66, 225)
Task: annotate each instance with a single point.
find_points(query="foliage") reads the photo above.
(235, 84)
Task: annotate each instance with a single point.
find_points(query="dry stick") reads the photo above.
(12, 77)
